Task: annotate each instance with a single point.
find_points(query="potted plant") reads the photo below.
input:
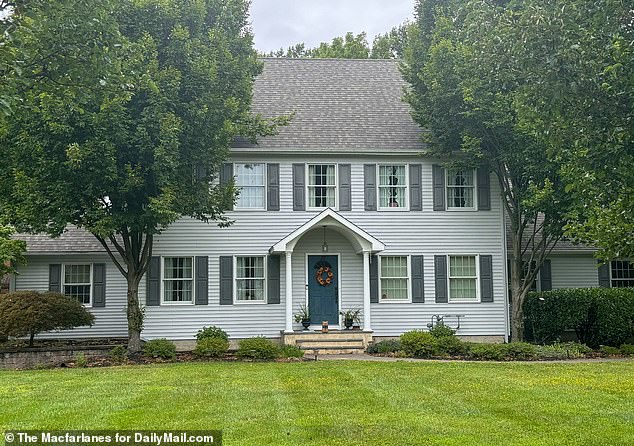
(303, 316)
(350, 317)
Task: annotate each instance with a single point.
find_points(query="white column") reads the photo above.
(366, 291)
(288, 273)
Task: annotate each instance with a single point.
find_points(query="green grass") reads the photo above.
(337, 402)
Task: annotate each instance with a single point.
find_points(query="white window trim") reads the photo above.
(475, 193)
(88, 305)
(477, 278)
(617, 260)
(308, 186)
(235, 281)
(409, 280)
(378, 188)
(265, 187)
(169, 302)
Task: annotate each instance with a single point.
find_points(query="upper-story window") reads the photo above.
(622, 272)
(250, 179)
(77, 283)
(461, 189)
(322, 185)
(392, 187)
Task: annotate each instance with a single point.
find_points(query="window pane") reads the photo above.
(394, 266)
(622, 274)
(178, 268)
(250, 289)
(462, 288)
(177, 290)
(251, 197)
(79, 292)
(77, 274)
(460, 197)
(393, 289)
(394, 277)
(250, 267)
(460, 177)
(462, 266)
(249, 174)
(321, 175)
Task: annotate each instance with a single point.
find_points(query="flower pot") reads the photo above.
(348, 323)
(306, 324)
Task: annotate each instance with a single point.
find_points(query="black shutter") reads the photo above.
(153, 292)
(202, 280)
(55, 278)
(345, 188)
(484, 190)
(438, 180)
(99, 285)
(369, 187)
(273, 187)
(604, 275)
(226, 280)
(440, 271)
(418, 282)
(374, 279)
(415, 187)
(299, 184)
(486, 278)
(545, 276)
(273, 279)
(226, 175)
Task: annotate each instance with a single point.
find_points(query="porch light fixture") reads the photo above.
(324, 246)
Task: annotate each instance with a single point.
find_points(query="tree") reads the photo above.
(127, 109)
(465, 81)
(11, 251)
(390, 45)
(27, 313)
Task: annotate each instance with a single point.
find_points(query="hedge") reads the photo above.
(599, 316)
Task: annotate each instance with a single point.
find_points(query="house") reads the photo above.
(341, 210)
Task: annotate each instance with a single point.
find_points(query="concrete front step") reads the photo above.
(334, 350)
(309, 345)
(331, 343)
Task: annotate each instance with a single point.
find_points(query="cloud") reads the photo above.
(282, 23)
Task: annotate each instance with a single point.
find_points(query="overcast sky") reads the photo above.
(282, 23)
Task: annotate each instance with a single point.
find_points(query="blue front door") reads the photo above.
(323, 289)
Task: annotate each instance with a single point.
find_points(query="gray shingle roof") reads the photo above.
(564, 246)
(73, 240)
(349, 104)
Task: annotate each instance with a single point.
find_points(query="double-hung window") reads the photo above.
(250, 279)
(463, 278)
(250, 179)
(394, 271)
(392, 187)
(77, 282)
(461, 189)
(178, 279)
(622, 274)
(322, 185)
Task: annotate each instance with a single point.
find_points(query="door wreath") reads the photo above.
(320, 276)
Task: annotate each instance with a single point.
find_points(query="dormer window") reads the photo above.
(322, 185)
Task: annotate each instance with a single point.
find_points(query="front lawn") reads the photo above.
(337, 402)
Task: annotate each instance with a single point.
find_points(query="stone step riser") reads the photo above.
(309, 345)
(343, 351)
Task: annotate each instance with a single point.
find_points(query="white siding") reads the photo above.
(426, 233)
(574, 271)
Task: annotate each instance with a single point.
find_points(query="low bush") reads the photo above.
(211, 332)
(451, 346)
(80, 360)
(291, 351)
(211, 347)
(566, 350)
(610, 351)
(521, 351)
(385, 346)
(258, 347)
(27, 313)
(440, 330)
(118, 354)
(488, 352)
(419, 344)
(160, 348)
(627, 349)
(599, 316)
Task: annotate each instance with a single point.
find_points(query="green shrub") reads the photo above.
(450, 346)
(385, 346)
(27, 313)
(118, 354)
(520, 351)
(258, 347)
(291, 351)
(160, 348)
(627, 349)
(567, 350)
(211, 332)
(440, 330)
(80, 360)
(211, 347)
(599, 316)
(610, 351)
(488, 352)
(419, 344)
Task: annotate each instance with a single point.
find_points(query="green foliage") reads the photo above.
(291, 351)
(80, 360)
(627, 349)
(211, 332)
(488, 352)
(118, 354)
(11, 251)
(599, 316)
(610, 351)
(303, 314)
(441, 330)
(419, 344)
(212, 347)
(566, 350)
(520, 351)
(160, 348)
(351, 315)
(27, 313)
(258, 347)
(385, 346)
(451, 346)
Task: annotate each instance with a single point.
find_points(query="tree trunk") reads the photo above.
(518, 293)
(134, 313)
(31, 339)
